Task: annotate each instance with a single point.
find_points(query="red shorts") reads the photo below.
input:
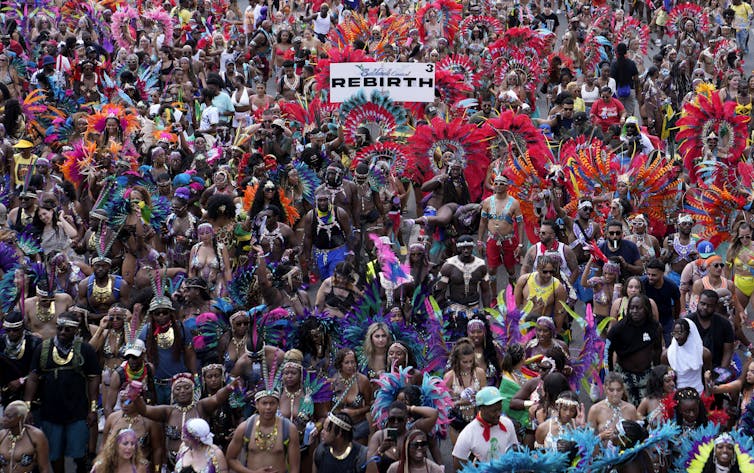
(501, 252)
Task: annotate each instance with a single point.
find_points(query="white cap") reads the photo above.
(135, 348)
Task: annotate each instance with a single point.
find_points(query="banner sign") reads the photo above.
(403, 81)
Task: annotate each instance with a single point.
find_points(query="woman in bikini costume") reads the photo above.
(661, 383)
(23, 448)
(606, 287)
(740, 261)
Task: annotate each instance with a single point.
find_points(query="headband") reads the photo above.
(100, 259)
(181, 377)
(475, 322)
(42, 292)
(566, 402)
(266, 393)
(637, 218)
(18, 324)
(68, 323)
(417, 246)
(544, 320)
(403, 347)
(213, 366)
(547, 359)
(205, 225)
(502, 179)
(714, 259)
(464, 244)
(610, 267)
(122, 433)
(724, 438)
(585, 204)
(339, 422)
(240, 313)
(685, 218)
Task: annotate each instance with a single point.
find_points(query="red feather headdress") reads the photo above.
(711, 115)
(488, 24)
(80, 162)
(461, 64)
(633, 30)
(337, 55)
(684, 12)
(464, 140)
(450, 16)
(516, 133)
(394, 153)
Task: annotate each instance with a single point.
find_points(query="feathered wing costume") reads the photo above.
(337, 55)
(80, 163)
(700, 120)
(392, 30)
(434, 394)
(698, 445)
(290, 213)
(612, 456)
(355, 324)
(522, 460)
(585, 442)
(306, 116)
(586, 366)
(378, 114)
(394, 153)
(684, 12)
(718, 210)
(632, 31)
(450, 17)
(517, 134)
(463, 140)
(461, 64)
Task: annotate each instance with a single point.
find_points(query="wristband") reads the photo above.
(93, 406)
(528, 403)
(28, 404)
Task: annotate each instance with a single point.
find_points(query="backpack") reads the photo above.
(78, 359)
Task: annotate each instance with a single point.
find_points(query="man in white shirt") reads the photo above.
(489, 435)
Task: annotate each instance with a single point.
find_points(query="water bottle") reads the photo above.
(308, 432)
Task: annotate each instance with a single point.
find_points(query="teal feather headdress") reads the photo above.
(522, 460)
(611, 456)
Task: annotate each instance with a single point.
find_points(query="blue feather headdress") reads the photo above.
(612, 456)
(522, 460)
(586, 443)
(434, 394)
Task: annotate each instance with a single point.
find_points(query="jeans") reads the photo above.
(742, 38)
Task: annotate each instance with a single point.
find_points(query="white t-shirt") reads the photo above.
(470, 440)
(210, 116)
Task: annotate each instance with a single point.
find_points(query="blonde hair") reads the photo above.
(107, 458)
(368, 346)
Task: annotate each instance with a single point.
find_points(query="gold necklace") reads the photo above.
(58, 359)
(165, 340)
(13, 441)
(47, 315)
(240, 345)
(343, 455)
(266, 442)
(292, 397)
(101, 295)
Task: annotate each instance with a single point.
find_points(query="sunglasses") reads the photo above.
(548, 271)
(395, 419)
(614, 233)
(745, 237)
(419, 444)
(66, 328)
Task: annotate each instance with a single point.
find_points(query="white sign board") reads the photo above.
(403, 81)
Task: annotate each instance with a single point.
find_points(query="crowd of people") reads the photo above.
(206, 265)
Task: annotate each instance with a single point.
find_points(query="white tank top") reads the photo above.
(560, 253)
(322, 25)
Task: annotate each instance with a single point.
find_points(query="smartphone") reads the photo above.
(392, 434)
